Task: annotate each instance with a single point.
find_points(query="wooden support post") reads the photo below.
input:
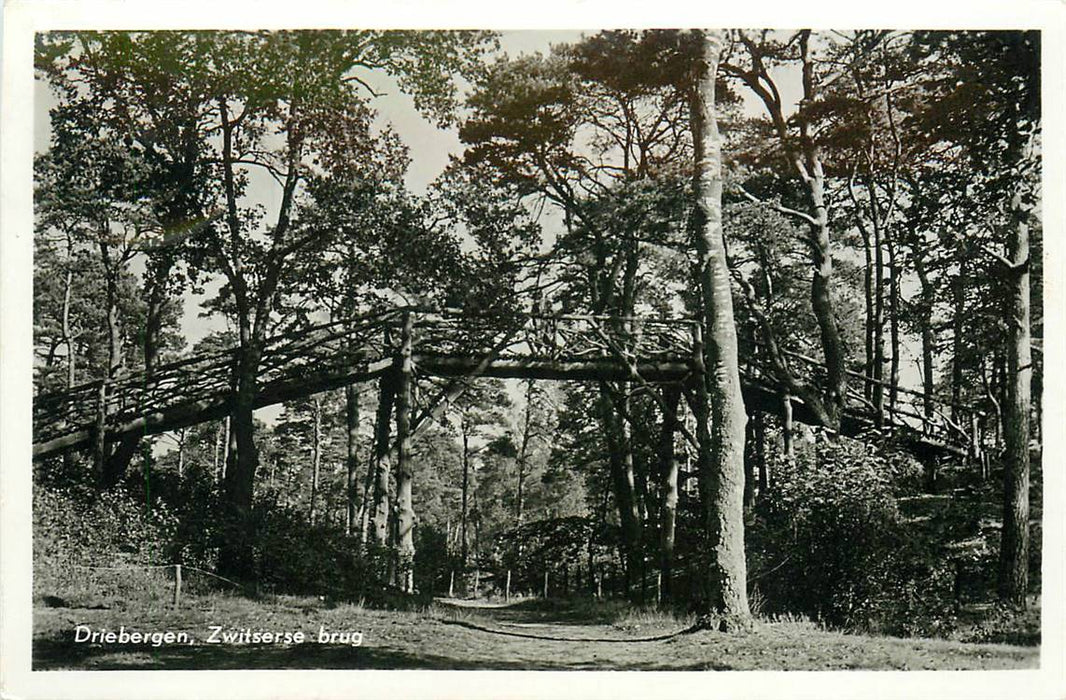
(545, 583)
(404, 474)
(507, 588)
(451, 584)
(177, 585)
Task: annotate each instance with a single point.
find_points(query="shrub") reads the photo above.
(828, 541)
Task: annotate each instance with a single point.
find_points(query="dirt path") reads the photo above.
(463, 635)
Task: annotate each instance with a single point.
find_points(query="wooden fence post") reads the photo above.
(177, 585)
(507, 589)
(545, 583)
(451, 584)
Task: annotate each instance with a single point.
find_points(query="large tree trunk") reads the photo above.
(236, 552)
(1014, 550)
(723, 470)
(380, 517)
(623, 483)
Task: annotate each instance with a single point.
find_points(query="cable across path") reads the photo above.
(644, 351)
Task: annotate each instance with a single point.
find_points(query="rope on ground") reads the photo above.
(659, 638)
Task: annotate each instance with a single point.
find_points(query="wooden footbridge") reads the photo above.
(643, 351)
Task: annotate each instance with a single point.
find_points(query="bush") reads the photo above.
(77, 531)
(828, 541)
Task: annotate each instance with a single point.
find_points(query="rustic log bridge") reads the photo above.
(441, 344)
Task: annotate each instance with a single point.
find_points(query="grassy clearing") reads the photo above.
(442, 636)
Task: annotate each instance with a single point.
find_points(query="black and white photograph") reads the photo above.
(474, 348)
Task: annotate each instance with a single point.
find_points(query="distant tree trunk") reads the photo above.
(1013, 581)
(351, 461)
(724, 467)
(869, 320)
(463, 542)
(958, 324)
(893, 321)
(759, 420)
(316, 455)
(926, 303)
(668, 471)
(155, 294)
(879, 306)
(182, 438)
(216, 462)
(523, 452)
(751, 471)
(106, 478)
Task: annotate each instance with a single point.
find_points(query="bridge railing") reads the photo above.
(934, 418)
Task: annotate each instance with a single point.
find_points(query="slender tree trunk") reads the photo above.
(928, 334)
(351, 462)
(463, 542)
(105, 477)
(405, 513)
(523, 452)
(759, 419)
(870, 319)
(958, 346)
(893, 321)
(182, 433)
(668, 472)
(316, 455)
(723, 474)
(879, 307)
(1013, 581)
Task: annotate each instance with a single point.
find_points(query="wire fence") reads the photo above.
(110, 586)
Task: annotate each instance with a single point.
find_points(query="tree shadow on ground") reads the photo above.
(563, 611)
(56, 654)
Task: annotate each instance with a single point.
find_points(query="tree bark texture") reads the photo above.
(351, 459)
(380, 518)
(668, 472)
(1013, 582)
(724, 469)
(404, 469)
